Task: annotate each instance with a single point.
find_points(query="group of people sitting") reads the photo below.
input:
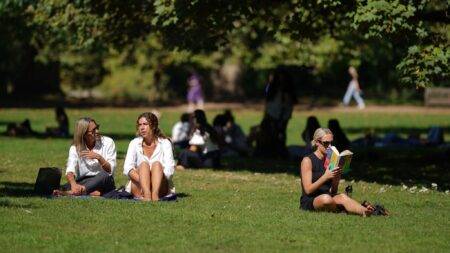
(24, 128)
(150, 164)
(435, 137)
(202, 144)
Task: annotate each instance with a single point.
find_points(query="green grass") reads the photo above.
(250, 205)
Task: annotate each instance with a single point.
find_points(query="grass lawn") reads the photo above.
(249, 205)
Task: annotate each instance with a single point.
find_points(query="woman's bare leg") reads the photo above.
(159, 181)
(324, 202)
(95, 194)
(351, 205)
(145, 178)
(136, 190)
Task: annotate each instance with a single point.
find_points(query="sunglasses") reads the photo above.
(324, 143)
(94, 130)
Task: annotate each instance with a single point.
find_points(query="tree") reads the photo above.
(413, 32)
(418, 26)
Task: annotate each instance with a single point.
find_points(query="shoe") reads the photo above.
(169, 197)
(380, 210)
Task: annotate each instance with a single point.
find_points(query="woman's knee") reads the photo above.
(157, 167)
(325, 201)
(341, 198)
(143, 166)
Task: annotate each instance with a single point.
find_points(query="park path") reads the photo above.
(301, 107)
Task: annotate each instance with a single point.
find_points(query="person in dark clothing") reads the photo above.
(63, 124)
(203, 151)
(22, 129)
(280, 101)
(312, 123)
(341, 142)
(320, 185)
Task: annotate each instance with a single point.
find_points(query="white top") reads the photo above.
(83, 167)
(203, 141)
(180, 131)
(163, 153)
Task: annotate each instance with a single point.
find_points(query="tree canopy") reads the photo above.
(412, 34)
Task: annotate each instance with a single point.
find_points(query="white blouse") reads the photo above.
(83, 167)
(203, 141)
(163, 153)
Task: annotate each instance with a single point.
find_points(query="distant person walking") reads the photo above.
(195, 94)
(353, 89)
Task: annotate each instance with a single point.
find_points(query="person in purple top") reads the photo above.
(195, 93)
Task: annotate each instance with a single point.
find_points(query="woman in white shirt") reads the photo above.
(149, 163)
(203, 151)
(181, 130)
(91, 162)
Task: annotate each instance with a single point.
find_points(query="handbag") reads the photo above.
(48, 179)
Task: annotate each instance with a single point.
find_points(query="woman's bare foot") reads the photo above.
(95, 194)
(180, 167)
(57, 193)
(367, 209)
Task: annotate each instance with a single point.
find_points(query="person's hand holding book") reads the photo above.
(333, 174)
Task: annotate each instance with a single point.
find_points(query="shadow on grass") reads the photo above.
(396, 166)
(39, 135)
(36, 135)
(15, 189)
(5, 123)
(410, 166)
(398, 130)
(182, 195)
(6, 203)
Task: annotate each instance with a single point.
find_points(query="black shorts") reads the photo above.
(306, 202)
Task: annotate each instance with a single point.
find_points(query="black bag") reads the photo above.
(118, 194)
(48, 179)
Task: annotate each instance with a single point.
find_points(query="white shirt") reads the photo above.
(180, 131)
(83, 167)
(203, 141)
(163, 153)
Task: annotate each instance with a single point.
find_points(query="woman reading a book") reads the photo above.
(320, 185)
(149, 162)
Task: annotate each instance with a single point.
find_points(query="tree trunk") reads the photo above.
(226, 82)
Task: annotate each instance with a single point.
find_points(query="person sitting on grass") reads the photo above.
(149, 163)
(203, 151)
(181, 130)
(320, 185)
(91, 162)
(63, 124)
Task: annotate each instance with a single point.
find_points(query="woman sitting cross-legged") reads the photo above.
(320, 185)
(91, 162)
(149, 162)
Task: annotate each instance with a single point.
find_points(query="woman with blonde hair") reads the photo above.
(91, 162)
(320, 185)
(149, 163)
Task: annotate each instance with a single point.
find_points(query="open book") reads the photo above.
(335, 159)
